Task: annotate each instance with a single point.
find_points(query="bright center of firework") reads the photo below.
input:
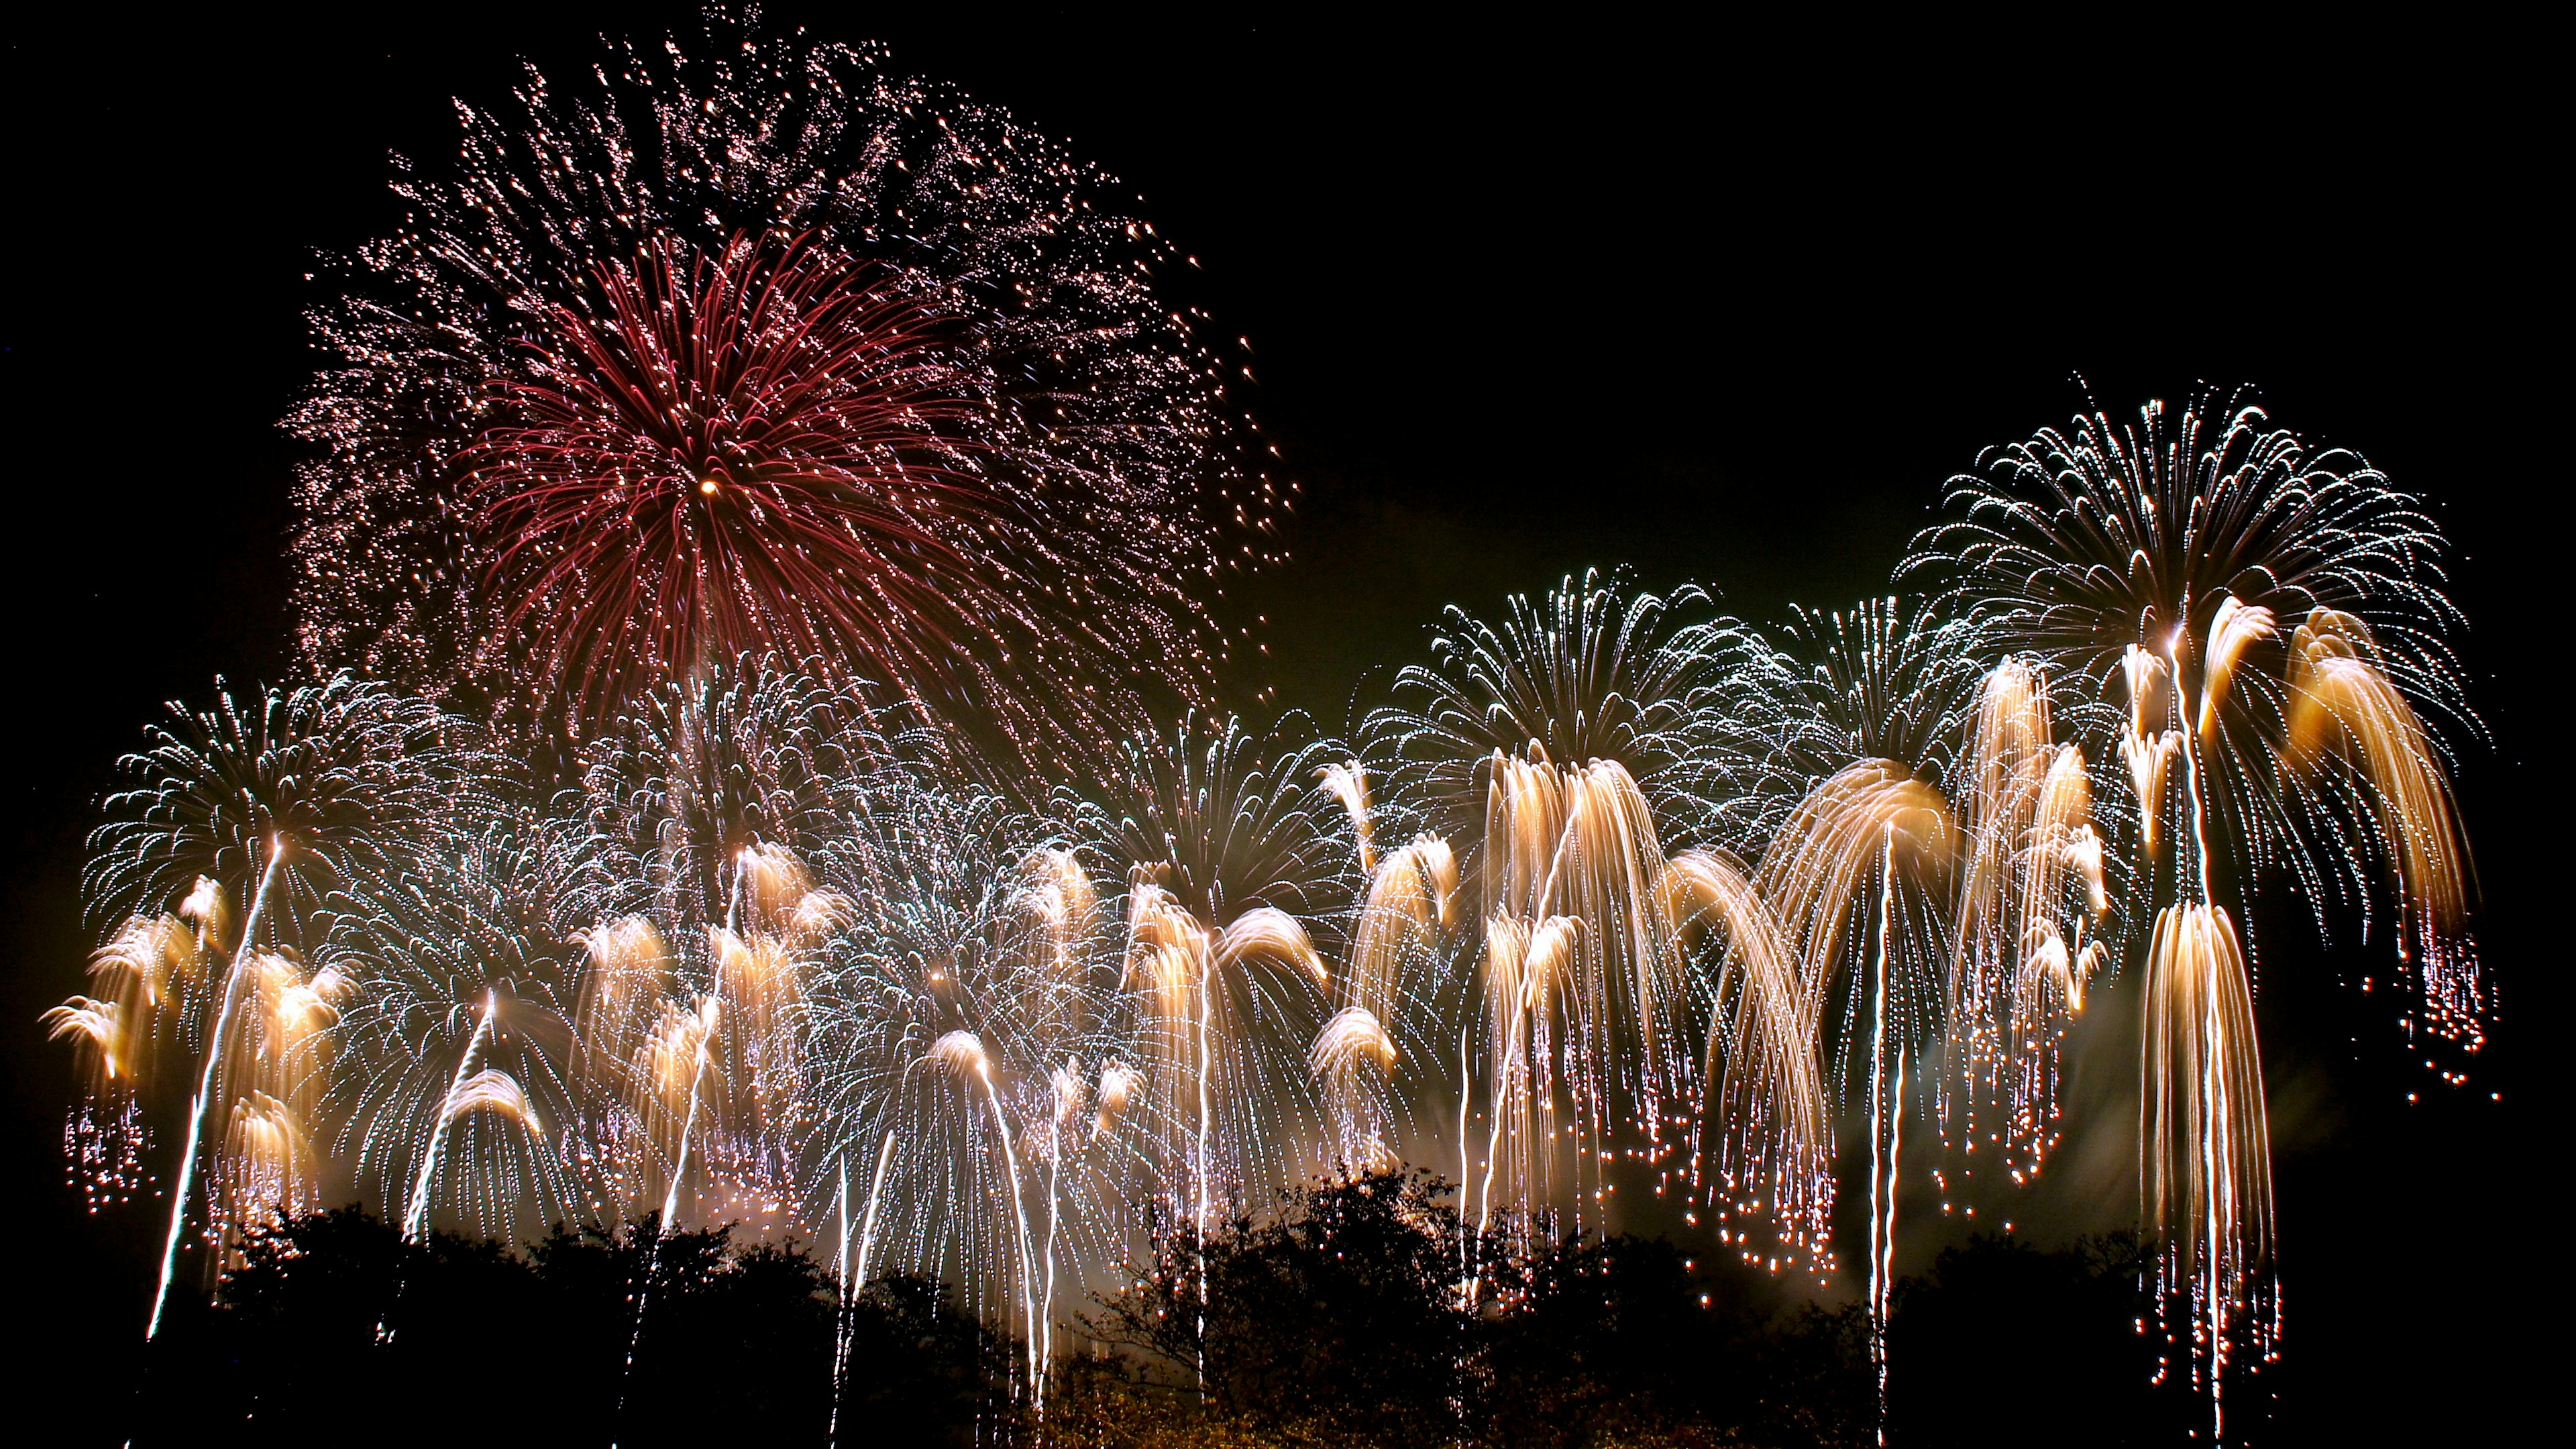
(778, 364)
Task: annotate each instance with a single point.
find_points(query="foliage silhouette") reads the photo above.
(2058, 1331)
(1339, 1321)
(1343, 1322)
(332, 1327)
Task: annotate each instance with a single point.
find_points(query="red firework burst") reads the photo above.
(774, 448)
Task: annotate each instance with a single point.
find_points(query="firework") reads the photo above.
(1612, 895)
(771, 350)
(1588, 673)
(456, 1091)
(268, 815)
(151, 973)
(965, 1071)
(1384, 1044)
(2153, 565)
(1769, 1109)
(1576, 743)
(1224, 837)
(1864, 875)
(709, 867)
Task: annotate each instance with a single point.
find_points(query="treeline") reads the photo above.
(1339, 1322)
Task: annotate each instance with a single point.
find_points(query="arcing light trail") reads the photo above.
(827, 845)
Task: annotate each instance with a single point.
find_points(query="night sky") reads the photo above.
(1723, 305)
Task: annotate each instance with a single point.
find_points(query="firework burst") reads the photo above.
(228, 859)
(2158, 566)
(772, 350)
(455, 1090)
(1574, 743)
(1224, 834)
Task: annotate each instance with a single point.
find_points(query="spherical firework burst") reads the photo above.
(977, 1120)
(1886, 679)
(695, 771)
(454, 1098)
(2181, 572)
(723, 826)
(771, 351)
(1226, 833)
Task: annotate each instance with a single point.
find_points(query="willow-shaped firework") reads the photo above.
(1895, 692)
(455, 1098)
(709, 862)
(1862, 869)
(1864, 877)
(977, 1118)
(1223, 831)
(756, 945)
(230, 855)
(1383, 1050)
(2031, 886)
(771, 350)
(2160, 566)
(1566, 742)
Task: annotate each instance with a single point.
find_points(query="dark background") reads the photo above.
(1724, 304)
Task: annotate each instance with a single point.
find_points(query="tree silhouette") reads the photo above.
(1348, 1320)
(1344, 1319)
(333, 1327)
(2004, 1344)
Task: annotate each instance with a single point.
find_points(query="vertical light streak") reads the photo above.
(710, 1011)
(852, 1279)
(1882, 1196)
(1466, 1165)
(416, 1213)
(841, 1307)
(215, 1050)
(876, 1193)
(1199, 1166)
(1055, 1190)
(1020, 1212)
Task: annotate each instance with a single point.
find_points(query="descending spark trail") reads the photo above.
(876, 1194)
(2158, 559)
(708, 1014)
(841, 1306)
(854, 1275)
(1886, 1102)
(709, 1011)
(962, 1054)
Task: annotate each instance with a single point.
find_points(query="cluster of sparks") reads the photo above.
(768, 350)
(766, 428)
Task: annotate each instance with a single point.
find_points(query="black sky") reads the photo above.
(1725, 304)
